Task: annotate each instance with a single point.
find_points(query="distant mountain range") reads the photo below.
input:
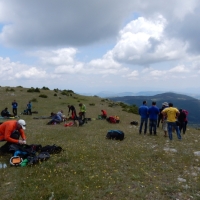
(191, 104)
(108, 94)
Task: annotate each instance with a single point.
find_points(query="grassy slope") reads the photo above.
(92, 167)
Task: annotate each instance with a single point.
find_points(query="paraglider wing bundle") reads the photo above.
(115, 134)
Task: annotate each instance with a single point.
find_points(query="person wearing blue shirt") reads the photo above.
(153, 117)
(56, 119)
(143, 112)
(14, 107)
(29, 107)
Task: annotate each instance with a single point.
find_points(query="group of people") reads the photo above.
(171, 118)
(57, 118)
(5, 113)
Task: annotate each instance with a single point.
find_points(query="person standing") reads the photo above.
(186, 121)
(172, 113)
(29, 107)
(143, 112)
(14, 107)
(181, 120)
(82, 111)
(73, 111)
(153, 117)
(164, 119)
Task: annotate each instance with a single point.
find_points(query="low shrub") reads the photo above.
(43, 95)
(10, 90)
(34, 100)
(45, 88)
(32, 89)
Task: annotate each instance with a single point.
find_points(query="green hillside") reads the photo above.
(92, 167)
(191, 104)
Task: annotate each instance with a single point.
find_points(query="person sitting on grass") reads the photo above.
(11, 131)
(56, 119)
(104, 114)
(60, 113)
(5, 113)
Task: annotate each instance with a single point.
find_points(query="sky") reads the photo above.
(93, 46)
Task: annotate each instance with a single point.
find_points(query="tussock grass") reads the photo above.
(92, 167)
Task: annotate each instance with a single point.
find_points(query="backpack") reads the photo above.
(69, 124)
(51, 149)
(134, 123)
(43, 156)
(113, 119)
(29, 149)
(115, 134)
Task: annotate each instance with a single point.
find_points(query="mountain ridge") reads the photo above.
(181, 101)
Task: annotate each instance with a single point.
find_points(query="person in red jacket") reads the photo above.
(11, 131)
(104, 114)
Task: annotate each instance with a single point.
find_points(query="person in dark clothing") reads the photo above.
(160, 116)
(181, 120)
(14, 107)
(186, 120)
(78, 121)
(5, 113)
(73, 111)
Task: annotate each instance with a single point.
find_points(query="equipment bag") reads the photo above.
(51, 149)
(115, 134)
(134, 123)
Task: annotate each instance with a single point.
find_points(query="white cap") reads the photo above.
(22, 123)
(165, 104)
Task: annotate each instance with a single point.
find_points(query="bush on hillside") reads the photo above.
(32, 89)
(45, 88)
(55, 95)
(10, 90)
(92, 104)
(56, 90)
(67, 92)
(43, 96)
(130, 109)
(37, 90)
(64, 92)
(34, 100)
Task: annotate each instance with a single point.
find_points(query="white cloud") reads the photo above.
(63, 56)
(143, 42)
(133, 75)
(11, 70)
(179, 69)
(131, 42)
